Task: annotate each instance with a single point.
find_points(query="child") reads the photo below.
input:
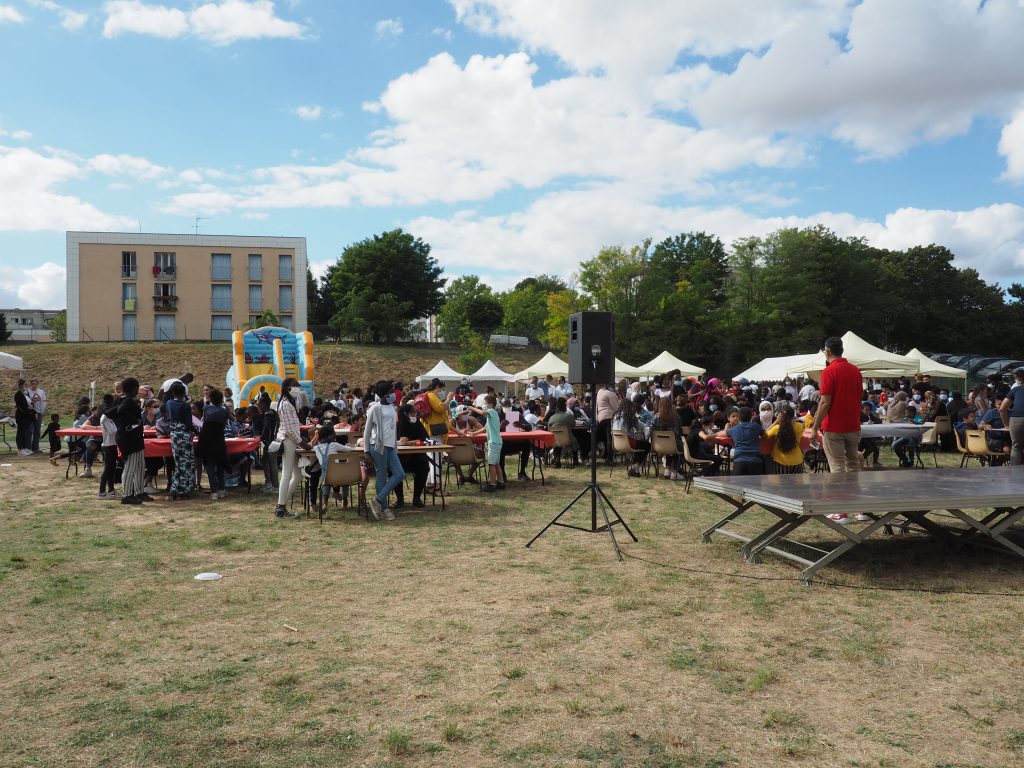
(492, 427)
(746, 450)
(51, 432)
(109, 449)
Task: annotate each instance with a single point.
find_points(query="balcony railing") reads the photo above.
(165, 303)
(165, 273)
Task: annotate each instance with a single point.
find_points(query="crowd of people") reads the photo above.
(297, 433)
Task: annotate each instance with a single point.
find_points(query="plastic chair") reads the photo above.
(621, 446)
(978, 446)
(563, 440)
(930, 443)
(965, 453)
(462, 454)
(664, 444)
(343, 470)
(692, 465)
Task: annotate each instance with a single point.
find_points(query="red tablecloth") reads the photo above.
(766, 443)
(538, 436)
(95, 432)
(160, 447)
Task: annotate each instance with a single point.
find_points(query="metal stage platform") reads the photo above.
(890, 498)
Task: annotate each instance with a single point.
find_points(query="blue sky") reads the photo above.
(516, 136)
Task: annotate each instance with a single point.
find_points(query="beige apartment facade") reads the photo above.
(161, 287)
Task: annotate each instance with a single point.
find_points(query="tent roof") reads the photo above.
(440, 371)
(490, 372)
(935, 368)
(870, 359)
(550, 363)
(666, 362)
(13, 362)
(770, 369)
(627, 371)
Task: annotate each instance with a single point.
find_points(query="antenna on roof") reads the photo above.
(198, 219)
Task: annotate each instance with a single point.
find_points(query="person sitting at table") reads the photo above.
(515, 420)
(211, 449)
(562, 418)
(896, 410)
(746, 448)
(411, 431)
(666, 419)
(998, 442)
(906, 445)
(869, 446)
(766, 414)
(697, 443)
(626, 420)
(786, 453)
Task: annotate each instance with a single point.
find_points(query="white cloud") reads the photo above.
(220, 23)
(8, 13)
(70, 20)
(311, 112)
(41, 287)
(18, 135)
(1011, 146)
(30, 197)
(255, 215)
(443, 33)
(389, 28)
(126, 165)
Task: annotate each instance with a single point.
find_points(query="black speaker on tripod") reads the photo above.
(592, 361)
(591, 348)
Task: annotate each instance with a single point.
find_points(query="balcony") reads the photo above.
(165, 273)
(165, 303)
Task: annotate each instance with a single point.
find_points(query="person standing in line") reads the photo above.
(380, 437)
(837, 420)
(290, 437)
(37, 397)
(1012, 411)
(127, 415)
(109, 449)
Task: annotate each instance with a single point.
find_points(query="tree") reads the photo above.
(266, 317)
(484, 314)
(526, 306)
(381, 284)
(316, 310)
(475, 351)
(58, 325)
(4, 333)
(611, 282)
(453, 321)
(561, 304)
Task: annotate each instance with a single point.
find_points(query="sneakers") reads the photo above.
(213, 496)
(101, 495)
(53, 460)
(376, 508)
(418, 503)
(523, 476)
(862, 518)
(131, 500)
(145, 497)
(113, 495)
(499, 487)
(842, 519)
(281, 511)
(24, 452)
(268, 489)
(490, 488)
(150, 489)
(87, 473)
(387, 514)
(634, 471)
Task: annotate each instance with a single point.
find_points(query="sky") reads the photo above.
(514, 136)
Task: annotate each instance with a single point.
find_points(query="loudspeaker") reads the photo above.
(590, 332)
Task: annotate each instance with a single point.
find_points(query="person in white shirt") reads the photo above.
(381, 440)
(534, 391)
(165, 388)
(37, 397)
(109, 449)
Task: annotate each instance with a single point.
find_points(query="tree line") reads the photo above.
(719, 307)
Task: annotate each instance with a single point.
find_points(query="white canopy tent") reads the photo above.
(626, 371)
(871, 360)
(771, 369)
(12, 362)
(931, 367)
(666, 362)
(549, 364)
(490, 374)
(440, 371)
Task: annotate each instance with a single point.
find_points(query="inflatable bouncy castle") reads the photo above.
(264, 357)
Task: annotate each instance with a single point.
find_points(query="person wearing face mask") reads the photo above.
(150, 418)
(439, 401)
(410, 431)
(290, 437)
(380, 437)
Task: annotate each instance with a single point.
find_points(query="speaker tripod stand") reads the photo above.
(598, 498)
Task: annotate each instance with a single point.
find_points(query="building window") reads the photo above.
(255, 267)
(128, 271)
(220, 266)
(220, 327)
(284, 298)
(255, 298)
(128, 326)
(284, 268)
(221, 298)
(165, 298)
(129, 295)
(286, 322)
(164, 266)
(164, 328)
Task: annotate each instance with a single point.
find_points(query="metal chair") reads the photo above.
(343, 470)
(664, 444)
(621, 446)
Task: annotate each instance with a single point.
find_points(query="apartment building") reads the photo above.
(151, 287)
(29, 324)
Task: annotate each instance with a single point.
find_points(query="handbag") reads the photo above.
(438, 429)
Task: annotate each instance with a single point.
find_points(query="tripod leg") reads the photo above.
(618, 517)
(608, 525)
(554, 520)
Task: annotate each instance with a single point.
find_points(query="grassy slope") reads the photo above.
(65, 370)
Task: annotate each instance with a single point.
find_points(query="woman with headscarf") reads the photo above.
(179, 420)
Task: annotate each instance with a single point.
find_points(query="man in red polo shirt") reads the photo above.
(838, 416)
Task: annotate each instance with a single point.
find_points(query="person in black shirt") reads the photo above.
(51, 432)
(127, 415)
(410, 429)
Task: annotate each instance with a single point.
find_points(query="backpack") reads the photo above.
(422, 405)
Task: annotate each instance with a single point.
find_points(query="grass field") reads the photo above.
(439, 640)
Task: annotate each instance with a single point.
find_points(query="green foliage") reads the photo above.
(484, 314)
(317, 309)
(266, 317)
(476, 350)
(526, 306)
(58, 325)
(453, 322)
(4, 333)
(380, 285)
(561, 304)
